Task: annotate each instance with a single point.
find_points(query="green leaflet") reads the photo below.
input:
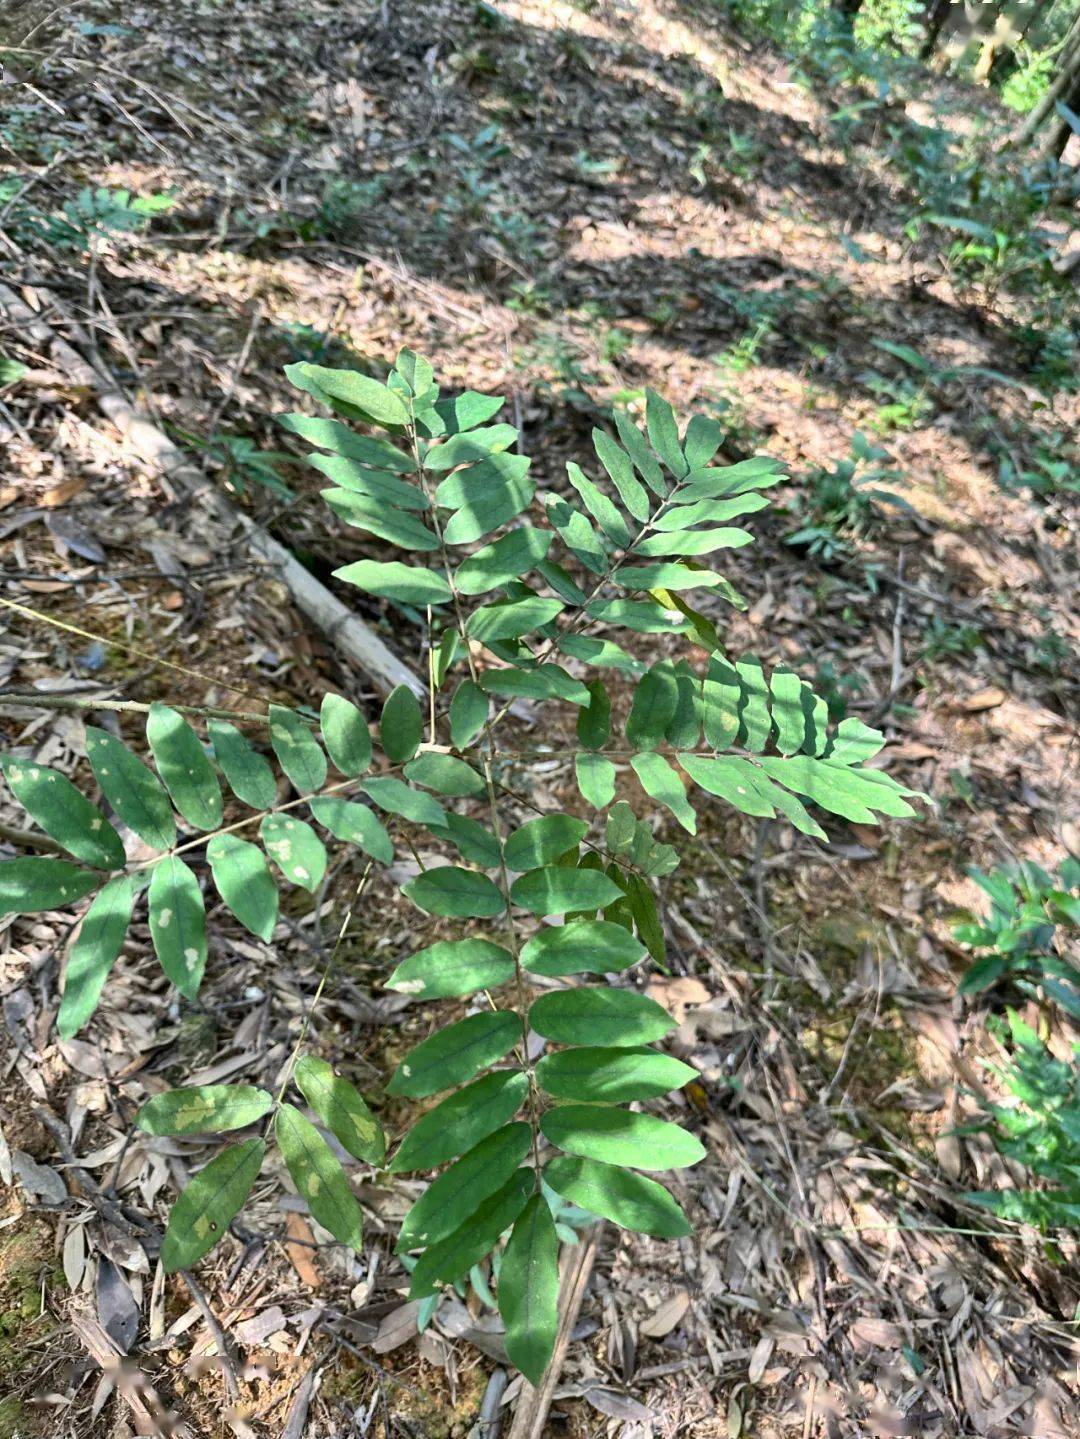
(333, 435)
(355, 824)
(249, 775)
(178, 924)
(684, 730)
(28, 886)
(594, 946)
(184, 768)
(627, 1199)
(556, 890)
(473, 841)
(318, 1176)
(392, 580)
(99, 941)
(510, 619)
(341, 1108)
(464, 448)
(455, 893)
(757, 474)
(621, 473)
(547, 681)
(458, 1252)
(841, 791)
(371, 485)
(787, 711)
(510, 557)
(484, 496)
(445, 774)
(397, 797)
(467, 410)
(446, 1204)
(653, 707)
(693, 542)
(577, 534)
(365, 512)
(136, 794)
(643, 459)
(617, 1017)
(854, 742)
(295, 848)
(542, 841)
(702, 440)
(297, 750)
(594, 719)
(664, 433)
(643, 908)
(595, 779)
(208, 1205)
(681, 517)
(468, 713)
(618, 1136)
(730, 778)
(666, 575)
(456, 1053)
(646, 617)
(203, 1109)
(611, 1075)
(401, 725)
(63, 812)
(529, 1289)
(244, 881)
(721, 695)
(754, 718)
(346, 735)
(372, 400)
(453, 967)
(462, 1120)
(605, 514)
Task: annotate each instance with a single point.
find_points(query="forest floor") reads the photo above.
(563, 204)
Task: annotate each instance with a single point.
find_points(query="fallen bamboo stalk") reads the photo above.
(349, 635)
(533, 1404)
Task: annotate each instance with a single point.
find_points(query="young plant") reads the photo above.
(547, 917)
(1022, 938)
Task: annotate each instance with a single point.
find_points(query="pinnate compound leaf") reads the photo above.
(589, 1016)
(406, 584)
(341, 1108)
(249, 775)
(318, 1176)
(100, 938)
(456, 1053)
(618, 1136)
(297, 750)
(184, 768)
(28, 886)
(296, 849)
(455, 1255)
(446, 1204)
(627, 1199)
(595, 779)
(178, 924)
(355, 824)
(209, 1203)
(401, 726)
(244, 881)
(542, 841)
(203, 1109)
(461, 1121)
(135, 793)
(346, 735)
(453, 967)
(558, 890)
(611, 1075)
(455, 893)
(529, 1289)
(594, 946)
(64, 813)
